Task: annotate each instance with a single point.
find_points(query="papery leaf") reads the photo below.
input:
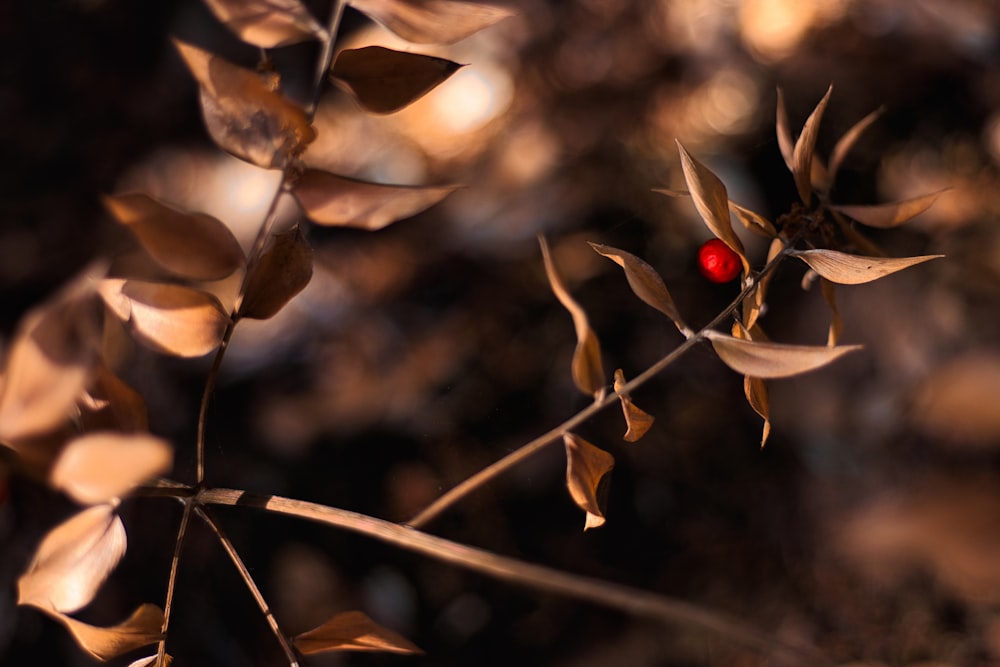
(268, 23)
(637, 421)
(805, 147)
(836, 325)
(73, 560)
(150, 661)
(352, 631)
(110, 404)
(98, 467)
(328, 199)
(432, 21)
(784, 132)
(384, 80)
(243, 112)
(712, 202)
(845, 269)
(754, 304)
(773, 360)
(755, 389)
(192, 245)
(282, 271)
(847, 141)
(754, 222)
(587, 467)
(886, 216)
(644, 281)
(588, 371)
(142, 628)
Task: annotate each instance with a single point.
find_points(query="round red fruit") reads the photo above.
(718, 262)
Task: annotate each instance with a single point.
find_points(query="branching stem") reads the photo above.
(161, 649)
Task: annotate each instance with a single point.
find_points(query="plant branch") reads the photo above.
(206, 397)
(161, 649)
(326, 55)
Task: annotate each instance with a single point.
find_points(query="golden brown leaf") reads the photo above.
(644, 281)
(753, 305)
(805, 147)
(110, 404)
(847, 141)
(142, 628)
(773, 360)
(845, 269)
(192, 245)
(754, 222)
(637, 421)
(886, 216)
(783, 129)
(384, 80)
(352, 631)
(432, 21)
(587, 467)
(99, 467)
(755, 390)
(588, 371)
(282, 271)
(243, 112)
(328, 199)
(268, 23)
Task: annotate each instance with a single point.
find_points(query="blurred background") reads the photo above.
(421, 353)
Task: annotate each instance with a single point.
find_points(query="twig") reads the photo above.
(161, 649)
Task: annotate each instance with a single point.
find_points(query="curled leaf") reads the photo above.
(98, 467)
(754, 305)
(110, 404)
(142, 628)
(755, 389)
(328, 199)
(282, 271)
(784, 132)
(588, 371)
(637, 421)
(587, 468)
(352, 631)
(432, 21)
(644, 281)
(886, 216)
(268, 23)
(805, 147)
(846, 142)
(384, 80)
(150, 661)
(773, 360)
(754, 222)
(192, 245)
(846, 269)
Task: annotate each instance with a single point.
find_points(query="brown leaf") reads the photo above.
(784, 132)
(73, 560)
(334, 200)
(243, 112)
(150, 661)
(773, 360)
(753, 305)
(845, 269)
(754, 222)
(755, 390)
(587, 467)
(432, 21)
(644, 281)
(352, 631)
(805, 147)
(384, 80)
(846, 142)
(192, 245)
(110, 404)
(268, 23)
(282, 271)
(588, 371)
(99, 467)
(886, 216)
(637, 421)
(142, 628)
(836, 325)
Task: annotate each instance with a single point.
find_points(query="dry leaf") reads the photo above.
(836, 325)
(73, 560)
(753, 306)
(784, 132)
(150, 661)
(328, 199)
(192, 245)
(142, 628)
(644, 281)
(384, 80)
(845, 269)
(243, 112)
(886, 216)
(587, 467)
(98, 467)
(268, 23)
(846, 142)
(754, 222)
(773, 360)
(805, 147)
(432, 21)
(588, 371)
(352, 631)
(282, 271)
(757, 396)
(110, 404)
(637, 421)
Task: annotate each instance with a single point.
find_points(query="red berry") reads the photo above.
(718, 262)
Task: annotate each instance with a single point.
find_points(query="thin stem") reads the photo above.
(206, 397)
(161, 649)
(248, 581)
(326, 55)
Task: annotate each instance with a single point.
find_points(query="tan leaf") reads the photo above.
(243, 112)
(637, 421)
(755, 390)
(845, 269)
(282, 271)
(712, 202)
(773, 360)
(754, 222)
(142, 628)
(174, 319)
(192, 245)
(846, 142)
(644, 281)
(754, 305)
(783, 130)
(836, 325)
(587, 467)
(588, 371)
(384, 80)
(432, 21)
(110, 404)
(98, 467)
(352, 631)
(886, 216)
(805, 147)
(73, 560)
(150, 661)
(268, 23)
(334, 200)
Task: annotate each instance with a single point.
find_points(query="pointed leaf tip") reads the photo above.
(645, 282)
(846, 269)
(282, 271)
(433, 21)
(352, 631)
(773, 360)
(268, 23)
(384, 80)
(893, 214)
(805, 148)
(637, 421)
(587, 468)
